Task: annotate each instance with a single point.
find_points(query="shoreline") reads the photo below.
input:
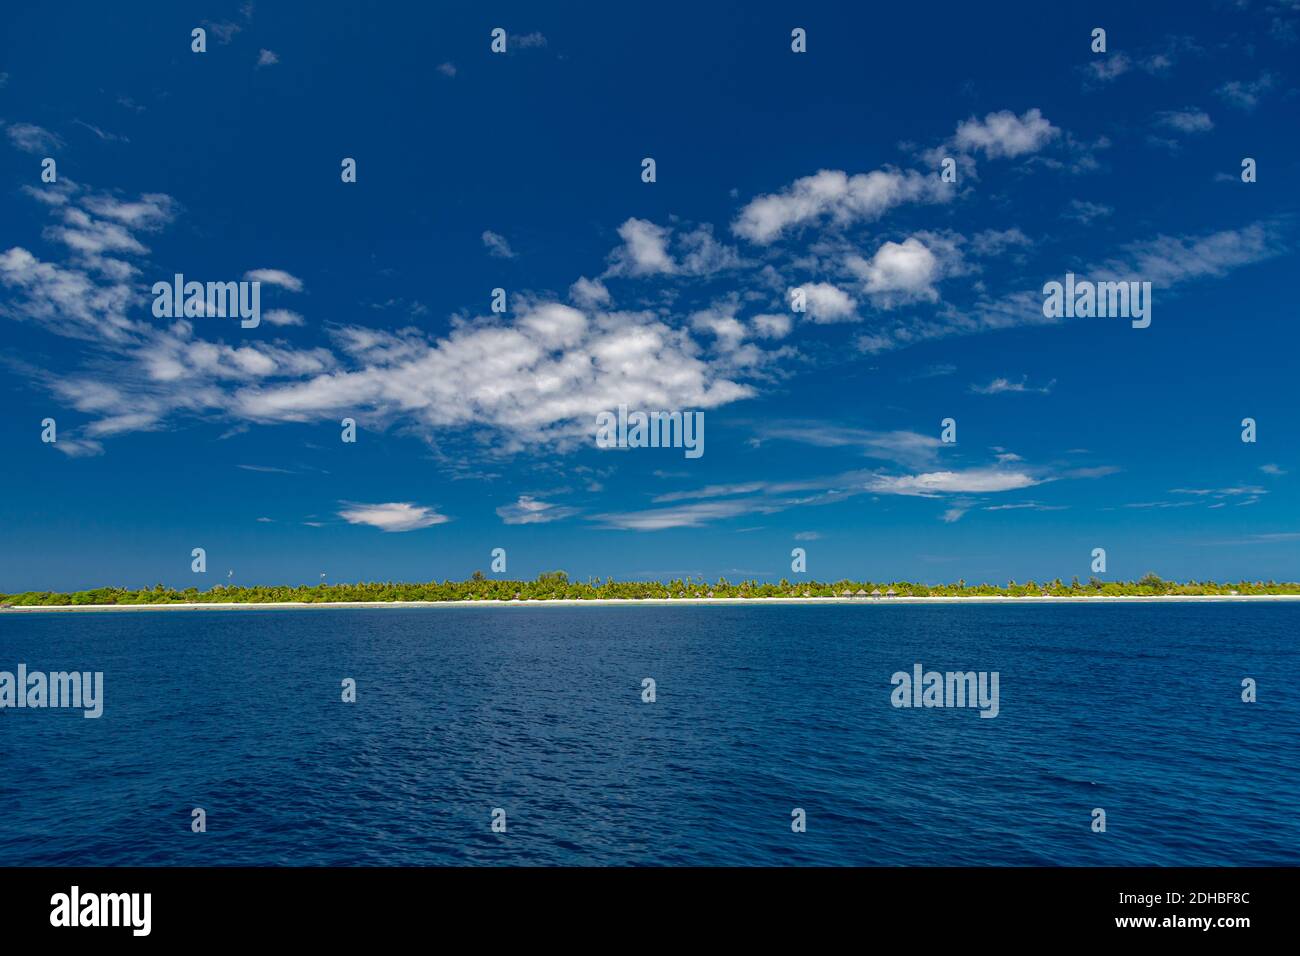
(624, 602)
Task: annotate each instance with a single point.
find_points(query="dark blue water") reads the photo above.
(1135, 709)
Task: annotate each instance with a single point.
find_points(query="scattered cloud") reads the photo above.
(826, 303)
(898, 273)
(283, 317)
(1186, 120)
(834, 196)
(1081, 210)
(1001, 385)
(1245, 94)
(1004, 135)
(31, 138)
(497, 246)
(276, 277)
(645, 251)
(102, 134)
(525, 41)
(529, 510)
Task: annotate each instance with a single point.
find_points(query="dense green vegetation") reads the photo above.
(556, 584)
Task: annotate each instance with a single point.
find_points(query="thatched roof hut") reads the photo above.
(846, 593)
(860, 593)
(891, 593)
(875, 593)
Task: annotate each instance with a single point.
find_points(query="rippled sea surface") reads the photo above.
(1132, 708)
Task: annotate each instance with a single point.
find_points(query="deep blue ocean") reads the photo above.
(1134, 708)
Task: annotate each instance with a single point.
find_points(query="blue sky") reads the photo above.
(775, 171)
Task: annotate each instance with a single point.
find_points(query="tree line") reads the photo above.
(555, 585)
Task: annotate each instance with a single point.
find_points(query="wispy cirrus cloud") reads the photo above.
(530, 510)
(31, 138)
(497, 245)
(275, 277)
(1001, 385)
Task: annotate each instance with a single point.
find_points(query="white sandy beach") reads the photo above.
(818, 601)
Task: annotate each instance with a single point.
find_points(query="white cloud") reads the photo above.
(770, 326)
(906, 447)
(32, 139)
(589, 293)
(827, 303)
(554, 325)
(78, 448)
(833, 194)
(529, 510)
(695, 515)
(994, 242)
(282, 317)
(497, 245)
(721, 322)
(701, 254)
(644, 250)
(898, 273)
(1186, 121)
(1001, 385)
(1245, 94)
(1110, 67)
(955, 513)
(447, 69)
(1005, 135)
(1026, 506)
(1165, 261)
(1168, 260)
(392, 516)
(970, 481)
(223, 30)
(1081, 210)
(539, 380)
(277, 277)
(267, 58)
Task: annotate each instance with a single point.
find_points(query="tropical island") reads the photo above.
(556, 586)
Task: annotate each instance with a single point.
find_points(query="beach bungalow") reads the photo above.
(876, 594)
(846, 593)
(891, 593)
(710, 594)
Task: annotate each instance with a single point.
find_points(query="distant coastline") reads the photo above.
(662, 602)
(555, 588)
